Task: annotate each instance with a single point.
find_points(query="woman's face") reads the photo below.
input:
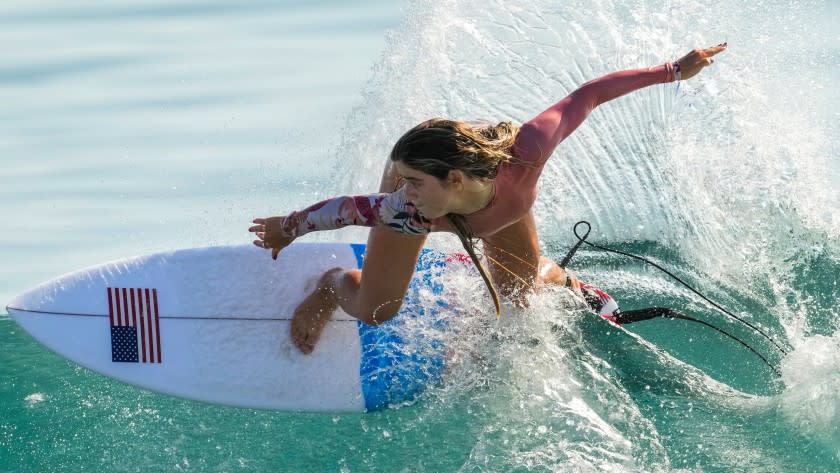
(431, 196)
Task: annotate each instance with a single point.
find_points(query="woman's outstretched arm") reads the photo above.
(545, 131)
(391, 210)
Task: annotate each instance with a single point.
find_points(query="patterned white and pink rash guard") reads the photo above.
(516, 182)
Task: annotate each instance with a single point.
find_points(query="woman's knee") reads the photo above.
(377, 313)
(550, 272)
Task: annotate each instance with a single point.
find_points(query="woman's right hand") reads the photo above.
(274, 233)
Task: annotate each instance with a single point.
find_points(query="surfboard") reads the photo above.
(212, 324)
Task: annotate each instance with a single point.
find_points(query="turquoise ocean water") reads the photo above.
(135, 127)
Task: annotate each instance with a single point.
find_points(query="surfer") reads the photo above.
(449, 176)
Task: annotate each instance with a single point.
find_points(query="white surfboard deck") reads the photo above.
(212, 324)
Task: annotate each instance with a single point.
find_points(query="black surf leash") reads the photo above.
(652, 312)
(636, 315)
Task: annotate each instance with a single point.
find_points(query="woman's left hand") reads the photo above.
(692, 63)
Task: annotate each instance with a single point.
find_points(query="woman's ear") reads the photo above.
(455, 178)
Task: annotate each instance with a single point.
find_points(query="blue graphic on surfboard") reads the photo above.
(212, 324)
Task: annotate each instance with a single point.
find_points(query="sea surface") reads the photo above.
(133, 127)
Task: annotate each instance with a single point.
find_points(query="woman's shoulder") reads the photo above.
(531, 145)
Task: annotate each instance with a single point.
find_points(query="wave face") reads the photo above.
(729, 179)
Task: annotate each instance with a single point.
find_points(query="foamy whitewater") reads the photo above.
(729, 180)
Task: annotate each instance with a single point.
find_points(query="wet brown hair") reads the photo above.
(438, 146)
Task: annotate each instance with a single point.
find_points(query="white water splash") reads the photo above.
(35, 398)
(811, 400)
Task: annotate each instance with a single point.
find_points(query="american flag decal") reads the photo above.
(135, 328)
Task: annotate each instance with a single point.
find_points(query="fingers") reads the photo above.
(278, 237)
(304, 346)
(707, 53)
(695, 61)
(259, 227)
(717, 49)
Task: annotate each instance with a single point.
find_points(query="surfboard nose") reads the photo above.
(36, 299)
(72, 293)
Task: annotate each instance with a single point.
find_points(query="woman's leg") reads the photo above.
(514, 261)
(374, 294)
